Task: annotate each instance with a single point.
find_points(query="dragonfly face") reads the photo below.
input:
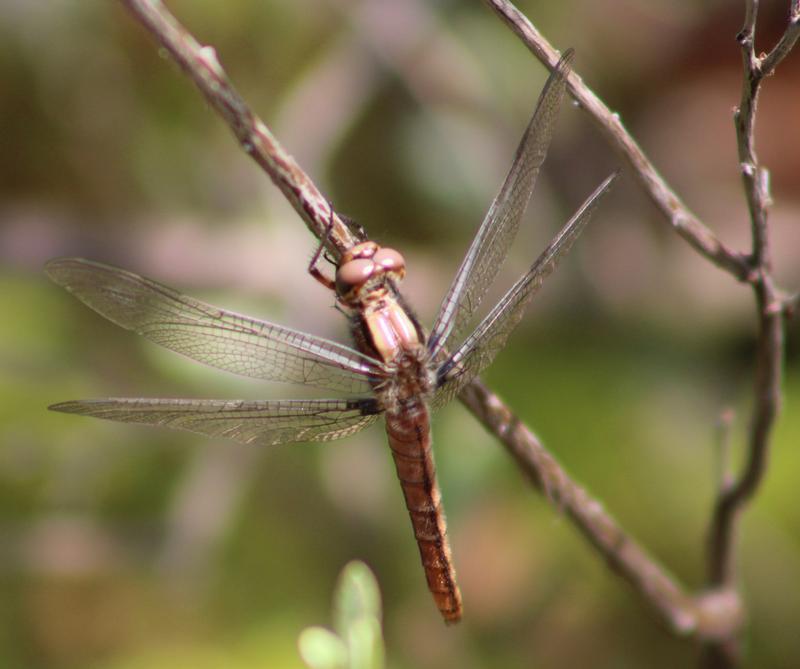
(396, 371)
(364, 269)
(366, 281)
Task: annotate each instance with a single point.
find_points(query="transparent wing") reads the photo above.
(213, 336)
(480, 348)
(490, 245)
(262, 422)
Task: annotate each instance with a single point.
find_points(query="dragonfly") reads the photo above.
(396, 370)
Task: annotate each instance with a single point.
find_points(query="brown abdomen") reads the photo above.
(410, 440)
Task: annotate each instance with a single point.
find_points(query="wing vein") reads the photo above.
(216, 337)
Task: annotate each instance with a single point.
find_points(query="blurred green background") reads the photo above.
(125, 548)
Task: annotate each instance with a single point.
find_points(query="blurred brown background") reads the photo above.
(123, 547)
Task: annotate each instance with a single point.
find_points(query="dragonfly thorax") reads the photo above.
(412, 382)
(364, 271)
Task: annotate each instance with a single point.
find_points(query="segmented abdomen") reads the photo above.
(410, 440)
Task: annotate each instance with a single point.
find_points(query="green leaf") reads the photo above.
(365, 643)
(357, 596)
(322, 649)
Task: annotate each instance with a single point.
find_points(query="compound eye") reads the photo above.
(363, 250)
(390, 260)
(353, 274)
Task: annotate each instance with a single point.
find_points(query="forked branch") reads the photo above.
(773, 306)
(677, 214)
(722, 602)
(756, 68)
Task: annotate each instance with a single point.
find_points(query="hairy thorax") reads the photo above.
(386, 329)
(383, 325)
(411, 384)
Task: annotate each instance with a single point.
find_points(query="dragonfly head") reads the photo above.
(367, 266)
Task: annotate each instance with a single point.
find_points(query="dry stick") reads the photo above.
(653, 583)
(755, 177)
(772, 307)
(658, 588)
(720, 610)
(201, 64)
(674, 210)
(722, 444)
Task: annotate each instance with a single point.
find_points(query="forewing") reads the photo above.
(262, 422)
(210, 335)
(490, 245)
(480, 348)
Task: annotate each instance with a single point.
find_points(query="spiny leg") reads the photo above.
(313, 266)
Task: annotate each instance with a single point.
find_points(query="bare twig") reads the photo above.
(785, 43)
(732, 499)
(648, 577)
(754, 268)
(769, 360)
(201, 64)
(772, 308)
(756, 177)
(723, 448)
(623, 554)
(685, 223)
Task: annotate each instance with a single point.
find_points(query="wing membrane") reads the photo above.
(216, 337)
(262, 422)
(490, 245)
(480, 348)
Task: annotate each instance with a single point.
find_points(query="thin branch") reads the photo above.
(650, 580)
(201, 64)
(756, 179)
(769, 360)
(724, 652)
(772, 307)
(722, 446)
(770, 304)
(767, 392)
(622, 553)
(724, 648)
(785, 43)
(685, 223)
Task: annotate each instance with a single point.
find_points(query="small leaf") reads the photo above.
(357, 596)
(322, 649)
(365, 643)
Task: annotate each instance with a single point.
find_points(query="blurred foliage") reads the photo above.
(357, 642)
(124, 547)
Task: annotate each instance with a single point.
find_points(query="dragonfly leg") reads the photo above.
(313, 266)
(355, 227)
